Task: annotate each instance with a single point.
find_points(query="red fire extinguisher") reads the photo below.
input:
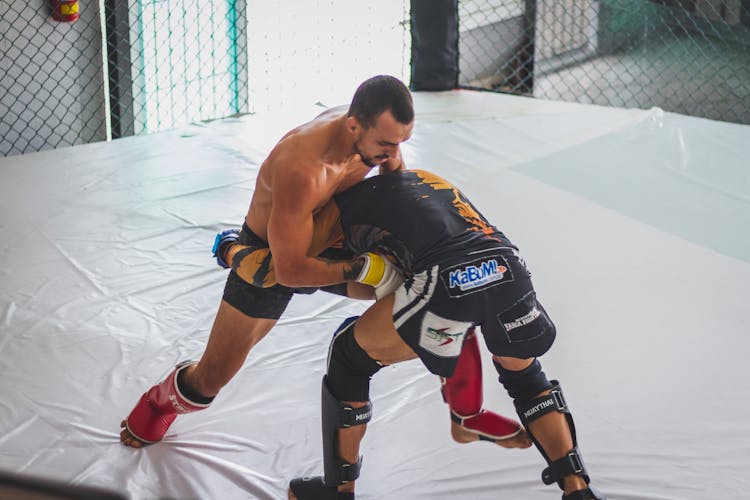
(65, 11)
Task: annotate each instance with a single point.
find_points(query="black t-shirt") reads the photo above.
(416, 217)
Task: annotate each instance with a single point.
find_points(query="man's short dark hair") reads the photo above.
(378, 94)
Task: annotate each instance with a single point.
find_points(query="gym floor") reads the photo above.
(633, 222)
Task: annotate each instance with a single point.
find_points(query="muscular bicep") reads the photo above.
(290, 225)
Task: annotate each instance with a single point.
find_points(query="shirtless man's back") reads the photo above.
(304, 170)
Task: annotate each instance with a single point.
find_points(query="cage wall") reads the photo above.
(684, 56)
(129, 68)
(126, 68)
(121, 68)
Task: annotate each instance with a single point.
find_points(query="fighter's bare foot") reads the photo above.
(128, 439)
(463, 435)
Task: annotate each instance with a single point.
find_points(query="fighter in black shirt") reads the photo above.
(460, 272)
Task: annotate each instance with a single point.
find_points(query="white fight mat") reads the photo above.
(635, 224)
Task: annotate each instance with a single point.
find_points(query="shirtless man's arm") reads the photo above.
(297, 194)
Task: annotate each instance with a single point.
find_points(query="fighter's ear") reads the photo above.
(353, 126)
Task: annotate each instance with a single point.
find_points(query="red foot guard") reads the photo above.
(159, 406)
(488, 425)
(463, 393)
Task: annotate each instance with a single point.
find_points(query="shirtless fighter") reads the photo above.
(304, 170)
(460, 272)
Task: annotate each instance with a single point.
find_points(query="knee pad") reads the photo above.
(349, 366)
(524, 387)
(525, 384)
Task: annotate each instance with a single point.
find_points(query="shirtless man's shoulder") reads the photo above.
(306, 164)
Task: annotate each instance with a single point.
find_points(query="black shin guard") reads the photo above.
(524, 386)
(347, 379)
(313, 488)
(572, 462)
(337, 415)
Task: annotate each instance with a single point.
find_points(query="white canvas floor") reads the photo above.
(636, 225)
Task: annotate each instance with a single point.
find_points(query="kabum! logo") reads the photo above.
(474, 276)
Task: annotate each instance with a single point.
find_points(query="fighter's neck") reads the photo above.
(341, 146)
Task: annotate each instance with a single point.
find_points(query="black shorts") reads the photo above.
(254, 263)
(490, 288)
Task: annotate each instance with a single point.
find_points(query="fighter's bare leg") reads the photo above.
(551, 430)
(377, 335)
(232, 336)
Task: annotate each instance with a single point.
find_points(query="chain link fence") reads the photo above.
(119, 69)
(43, 103)
(138, 66)
(685, 56)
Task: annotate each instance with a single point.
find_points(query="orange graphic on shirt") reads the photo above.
(464, 208)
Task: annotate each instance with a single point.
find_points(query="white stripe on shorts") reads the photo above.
(409, 302)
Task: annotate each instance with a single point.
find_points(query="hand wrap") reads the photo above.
(381, 274)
